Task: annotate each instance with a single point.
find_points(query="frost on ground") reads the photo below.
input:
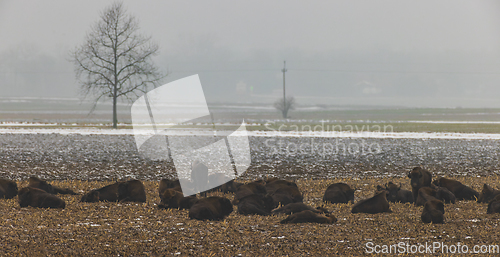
(109, 157)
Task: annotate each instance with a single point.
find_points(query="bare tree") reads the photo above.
(284, 105)
(115, 61)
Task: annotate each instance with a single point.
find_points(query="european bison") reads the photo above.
(494, 205)
(461, 191)
(275, 184)
(376, 204)
(419, 178)
(397, 195)
(298, 207)
(290, 193)
(433, 212)
(8, 188)
(251, 188)
(425, 194)
(211, 208)
(35, 197)
(256, 204)
(487, 194)
(339, 193)
(309, 216)
(173, 199)
(443, 194)
(168, 184)
(45, 186)
(128, 191)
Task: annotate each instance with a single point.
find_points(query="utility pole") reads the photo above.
(284, 95)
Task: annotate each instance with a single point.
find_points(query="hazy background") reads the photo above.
(378, 53)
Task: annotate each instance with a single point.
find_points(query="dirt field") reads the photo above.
(130, 229)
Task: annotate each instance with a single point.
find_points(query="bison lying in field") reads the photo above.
(128, 191)
(308, 216)
(419, 178)
(494, 205)
(45, 186)
(339, 193)
(292, 208)
(255, 187)
(487, 194)
(395, 194)
(376, 204)
(433, 212)
(211, 208)
(173, 199)
(256, 204)
(425, 194)
(8, 188)
(461, 191)
(35, 197)
(222, 183)
(169, 184)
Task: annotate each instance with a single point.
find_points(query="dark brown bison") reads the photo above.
(397, 195)
(308, 216)
(443, 194)
(292, 208)
(487, 194)
(256, 204)
(425, 194)
(461, 191)
(275, 184)
(376, 204)
(419, 178)
(251, 188)
(8, 188)
(433, 212)
(35, 197)
(173, 199)
(494, 205)
(288, 192)
(168, 184)
(211, 208)
(128, 191)
(339, 193)
(45, 186)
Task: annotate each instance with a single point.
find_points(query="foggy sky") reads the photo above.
(406, 53)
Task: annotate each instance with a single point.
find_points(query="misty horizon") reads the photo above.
(340, 53)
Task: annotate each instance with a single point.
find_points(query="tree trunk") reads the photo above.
(115, 118)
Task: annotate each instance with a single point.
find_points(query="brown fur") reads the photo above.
(419, 178)
(211, 208)
(168, 184)
(128, 191)
(339, 193)
(376, 204)
(487, 194)
(250, 189)
(425, 194)
(45, 186)
(461, 191)
(398, 195)
(35, 197)
(8, 188)
(256, 204)
(298, 207)
(173, 199)
(308, 216)
(494, 205)
(433, 212)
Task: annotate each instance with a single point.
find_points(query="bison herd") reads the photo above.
(269, 196)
